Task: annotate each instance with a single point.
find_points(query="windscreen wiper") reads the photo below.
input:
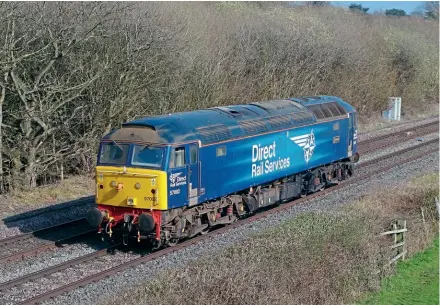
(117, 145)
(145, 147)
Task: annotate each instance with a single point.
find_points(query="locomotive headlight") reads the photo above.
(113, 183)
(131, 201)
(137, 185)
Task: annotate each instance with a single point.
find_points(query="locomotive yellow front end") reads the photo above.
(131, 187)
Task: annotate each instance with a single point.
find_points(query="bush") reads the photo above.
(71, 72)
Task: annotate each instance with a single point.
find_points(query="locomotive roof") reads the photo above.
(227, 122)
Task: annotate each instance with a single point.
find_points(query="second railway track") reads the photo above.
(29, 244)
(40, 294)
(392, 138)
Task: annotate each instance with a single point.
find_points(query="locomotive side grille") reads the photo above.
(327, 110)
(214, 133)
(252, 127)
(280, 121)
(340, 108)
(335, 111)
(302, 117)
(317, 111)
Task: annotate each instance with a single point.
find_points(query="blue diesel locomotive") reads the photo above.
(174, 176)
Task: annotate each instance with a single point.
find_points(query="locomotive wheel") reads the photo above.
(203, 232)
(156, 244)
(173, 241)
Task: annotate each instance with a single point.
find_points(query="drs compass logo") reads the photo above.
(307, 142)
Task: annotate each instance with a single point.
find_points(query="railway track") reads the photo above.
(390, 139)
(29, 244)
(50, 209)
(377, 168)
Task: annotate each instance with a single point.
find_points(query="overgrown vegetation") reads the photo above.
(416, 281)
(71, 188)
(70, 72)
(332, 257)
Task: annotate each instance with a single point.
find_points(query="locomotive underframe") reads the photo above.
(173, 225)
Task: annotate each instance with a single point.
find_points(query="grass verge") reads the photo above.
(415, 282)
(332, 257)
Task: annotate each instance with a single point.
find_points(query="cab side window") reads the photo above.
(177, 158)
(192, 154)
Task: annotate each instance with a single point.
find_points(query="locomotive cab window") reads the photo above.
(113, 153)
(221, 151)
(177, 158)
(145, 155)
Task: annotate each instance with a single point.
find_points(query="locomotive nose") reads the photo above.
(94, 217)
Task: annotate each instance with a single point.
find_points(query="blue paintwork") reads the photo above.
(216, 176)
(236, 171)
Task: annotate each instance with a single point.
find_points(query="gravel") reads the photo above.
(55, 280)
(43, 260)
(110, 286)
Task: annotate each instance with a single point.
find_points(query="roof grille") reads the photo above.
(275, 104)
(214, 133)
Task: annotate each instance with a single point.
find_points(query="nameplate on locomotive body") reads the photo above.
(264, 160)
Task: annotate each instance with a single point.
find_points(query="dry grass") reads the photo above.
(373, 122)
(317, 258)
(69, 189)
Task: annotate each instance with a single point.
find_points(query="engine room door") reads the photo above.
(193, 174)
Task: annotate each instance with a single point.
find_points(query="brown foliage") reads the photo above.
(70, 72)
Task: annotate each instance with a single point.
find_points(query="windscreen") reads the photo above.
(113, 153)
(149, 156)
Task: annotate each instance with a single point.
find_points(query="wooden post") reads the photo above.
(424, 223)
(398, 232)
(437, 205)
